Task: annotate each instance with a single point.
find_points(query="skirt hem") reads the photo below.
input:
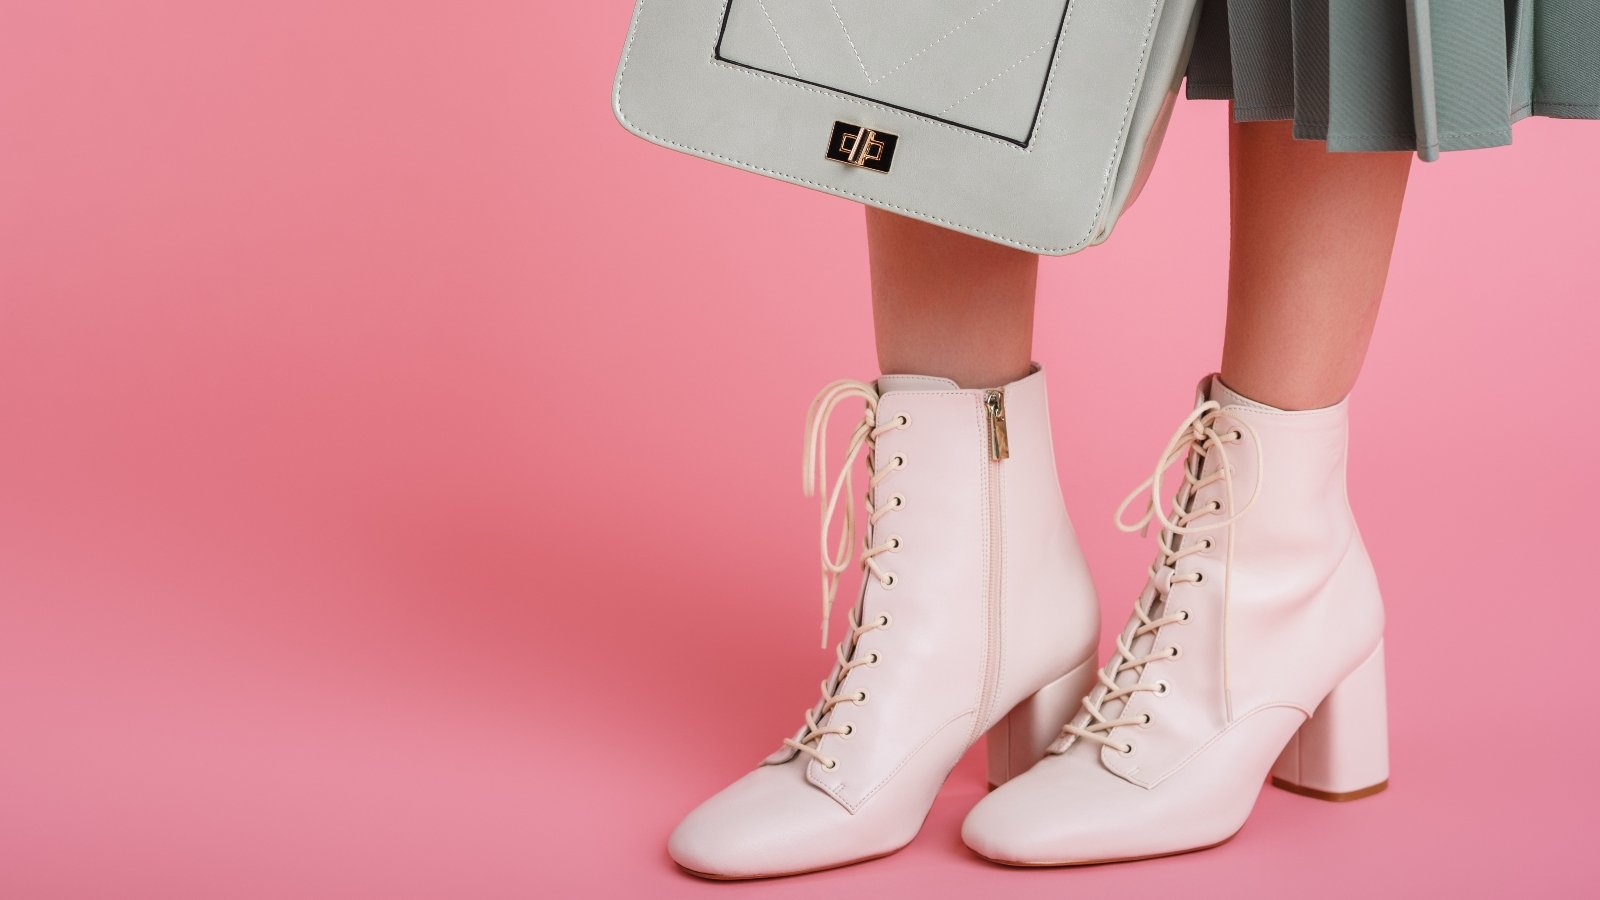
(1560, 109)
(1382, 75)
(1393, 141)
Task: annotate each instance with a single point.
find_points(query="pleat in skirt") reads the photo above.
(1423, 75)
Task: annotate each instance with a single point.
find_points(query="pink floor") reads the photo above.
(399, 468)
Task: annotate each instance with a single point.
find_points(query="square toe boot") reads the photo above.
(976, 615)
(1255, 647)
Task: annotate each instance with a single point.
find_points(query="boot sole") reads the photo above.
(1330, 796)
(1101, 862)
(710, 877)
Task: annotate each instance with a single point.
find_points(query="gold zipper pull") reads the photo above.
(999, 444)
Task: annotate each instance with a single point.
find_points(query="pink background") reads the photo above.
(399, 483)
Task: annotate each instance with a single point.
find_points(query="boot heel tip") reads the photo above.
(1330, 796)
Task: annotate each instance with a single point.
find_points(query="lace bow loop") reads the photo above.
(1195, 433)
(815, 464)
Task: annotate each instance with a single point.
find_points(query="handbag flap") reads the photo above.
(936, 109)
(976, 64)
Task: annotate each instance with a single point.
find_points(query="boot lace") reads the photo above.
(835, 561)
(1196, 438)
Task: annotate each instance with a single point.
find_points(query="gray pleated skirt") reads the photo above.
(1423, 75)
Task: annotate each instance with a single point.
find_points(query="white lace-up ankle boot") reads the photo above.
(1255, 647)
(975, 603)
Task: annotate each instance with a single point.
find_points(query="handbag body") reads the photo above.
(1031, 123)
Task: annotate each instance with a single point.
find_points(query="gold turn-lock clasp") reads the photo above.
(862, 147)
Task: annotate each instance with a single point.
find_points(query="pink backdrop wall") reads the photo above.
(398, 472)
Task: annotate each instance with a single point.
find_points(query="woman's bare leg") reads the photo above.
(1312, 236)
(1313, 232)
(949, 305)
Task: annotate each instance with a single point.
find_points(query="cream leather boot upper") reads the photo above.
(975, 596)
(1260, 603)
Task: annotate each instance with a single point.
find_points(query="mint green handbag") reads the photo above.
(1032, 123)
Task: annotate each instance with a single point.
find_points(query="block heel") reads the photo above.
(1019, 739)
(1342, 751)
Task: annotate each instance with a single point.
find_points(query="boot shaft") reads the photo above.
(1269, 592)
(988, 594)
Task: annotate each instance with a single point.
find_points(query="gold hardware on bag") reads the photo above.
(859, 146)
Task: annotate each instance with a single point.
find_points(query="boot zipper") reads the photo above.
(994, 403)
(999, 444)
